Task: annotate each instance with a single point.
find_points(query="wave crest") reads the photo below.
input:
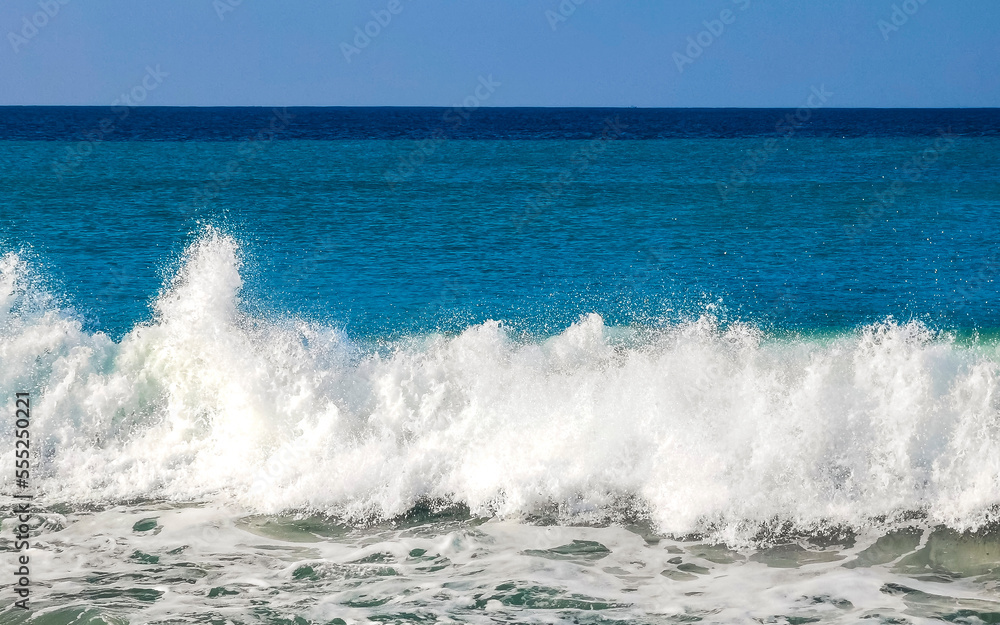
(696, 426)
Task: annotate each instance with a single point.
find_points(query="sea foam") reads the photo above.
(695, 427)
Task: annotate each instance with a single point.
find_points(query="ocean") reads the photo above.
(349, 365)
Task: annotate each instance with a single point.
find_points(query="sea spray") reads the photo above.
(696, 426)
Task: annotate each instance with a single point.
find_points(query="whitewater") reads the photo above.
(680, 471)
(697, 427)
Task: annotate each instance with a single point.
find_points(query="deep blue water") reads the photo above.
(377, 221)
(237, 123)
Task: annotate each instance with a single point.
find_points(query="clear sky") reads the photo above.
(771, 53)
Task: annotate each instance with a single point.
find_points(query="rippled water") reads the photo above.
(161, 563)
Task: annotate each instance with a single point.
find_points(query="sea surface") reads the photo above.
(502, 365)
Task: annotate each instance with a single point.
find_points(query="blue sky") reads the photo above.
(882, 53)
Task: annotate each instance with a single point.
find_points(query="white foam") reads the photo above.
(706, 428)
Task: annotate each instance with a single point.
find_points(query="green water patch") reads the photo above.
(145, 526)
(439, 564)
(433, 511)
(367, 602)
(678, 576)
(144, 558)
(689, 567)
(949, 554)
(99, 578)
(177, 573)
(311, 529)
(542, 598)
(928, 605)
(718, 554)
(837, 602)
(326, 570)
(379, 557)
(121, 597)
(587, 550)
(381, 560)
(888, 548)
(67, 509)
(305, 572)
(403, 617)
(145, 595)
(59, 616)
(221, 591)
(685, 571)
(428, 563)
(883, 619)
(645, 530)
(793, 556)
(273, 617)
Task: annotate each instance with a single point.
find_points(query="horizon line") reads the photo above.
(406, 106)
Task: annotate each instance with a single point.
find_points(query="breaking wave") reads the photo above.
(695, 427)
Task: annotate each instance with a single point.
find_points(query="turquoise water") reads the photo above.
(485, 230)
(636, 381)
